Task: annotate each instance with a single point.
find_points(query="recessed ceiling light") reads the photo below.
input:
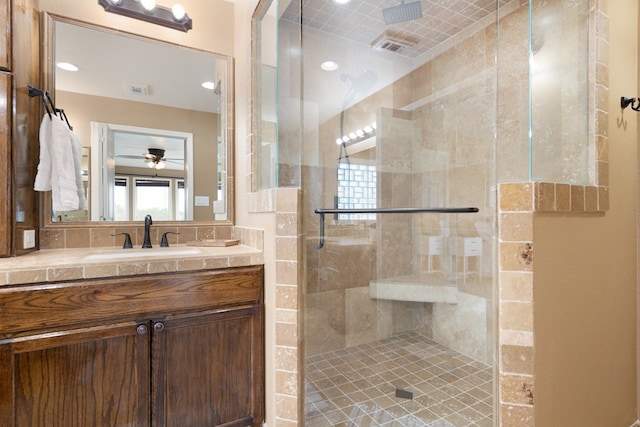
(209, 85)
(341, 1)
(67, 66)
(329, 65)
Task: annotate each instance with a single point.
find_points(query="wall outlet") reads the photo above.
(29, 239)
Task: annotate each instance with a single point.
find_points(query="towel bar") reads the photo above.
(322, 212)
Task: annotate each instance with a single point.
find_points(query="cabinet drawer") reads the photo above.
(50, 305)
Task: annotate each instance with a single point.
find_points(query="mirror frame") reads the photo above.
(47, 78)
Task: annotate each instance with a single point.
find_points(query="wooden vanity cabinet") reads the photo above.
(181, 349)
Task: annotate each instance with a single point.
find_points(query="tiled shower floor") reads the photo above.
(356, 386)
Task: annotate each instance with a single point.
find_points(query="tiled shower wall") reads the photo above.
(441, 113)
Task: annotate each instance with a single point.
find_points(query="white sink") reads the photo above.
(141, 253)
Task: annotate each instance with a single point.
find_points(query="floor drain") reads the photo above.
(404, 394)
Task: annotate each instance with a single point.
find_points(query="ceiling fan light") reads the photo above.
(160, 165)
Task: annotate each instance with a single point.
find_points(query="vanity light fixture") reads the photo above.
(358, 135)
(147, 10)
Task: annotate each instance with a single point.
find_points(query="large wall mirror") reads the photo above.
(155, 120)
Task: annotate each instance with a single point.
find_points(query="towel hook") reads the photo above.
(626, 102)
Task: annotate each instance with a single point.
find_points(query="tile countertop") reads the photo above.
(53, 265)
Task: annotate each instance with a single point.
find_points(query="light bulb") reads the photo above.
(209, 85)
(178, 12)
(149, 5)
(67, 66)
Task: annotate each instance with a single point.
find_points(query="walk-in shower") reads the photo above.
(398, 149)
(399, 223)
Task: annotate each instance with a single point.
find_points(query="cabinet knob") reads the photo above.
(158, 327)
(142, 329)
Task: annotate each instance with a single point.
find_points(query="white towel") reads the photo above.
(43, 177)
(76, 146)
(56, 171)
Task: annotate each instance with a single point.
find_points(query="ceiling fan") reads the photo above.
(154, 158)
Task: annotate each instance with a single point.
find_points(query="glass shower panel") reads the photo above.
(399, 111)
(277, 151)
(559, 92)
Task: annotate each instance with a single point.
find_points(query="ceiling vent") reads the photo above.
(393, 42)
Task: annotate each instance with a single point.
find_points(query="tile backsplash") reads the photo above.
(96, 237)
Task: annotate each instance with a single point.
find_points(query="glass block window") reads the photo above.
(356, 189)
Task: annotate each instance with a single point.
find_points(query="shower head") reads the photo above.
(359, 85)
(403, 12)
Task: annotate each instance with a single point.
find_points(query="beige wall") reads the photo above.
(585, 275)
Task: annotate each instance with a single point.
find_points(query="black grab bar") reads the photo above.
(322, 212)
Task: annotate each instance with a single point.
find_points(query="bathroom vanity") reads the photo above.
(171, 349)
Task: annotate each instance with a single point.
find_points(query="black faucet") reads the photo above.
(164, 242)
(147, 226)
(127, 240)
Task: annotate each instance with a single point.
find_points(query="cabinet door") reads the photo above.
(207, 370)
(95, 376)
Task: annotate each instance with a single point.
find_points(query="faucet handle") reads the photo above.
(127, 240)
(164, 242)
